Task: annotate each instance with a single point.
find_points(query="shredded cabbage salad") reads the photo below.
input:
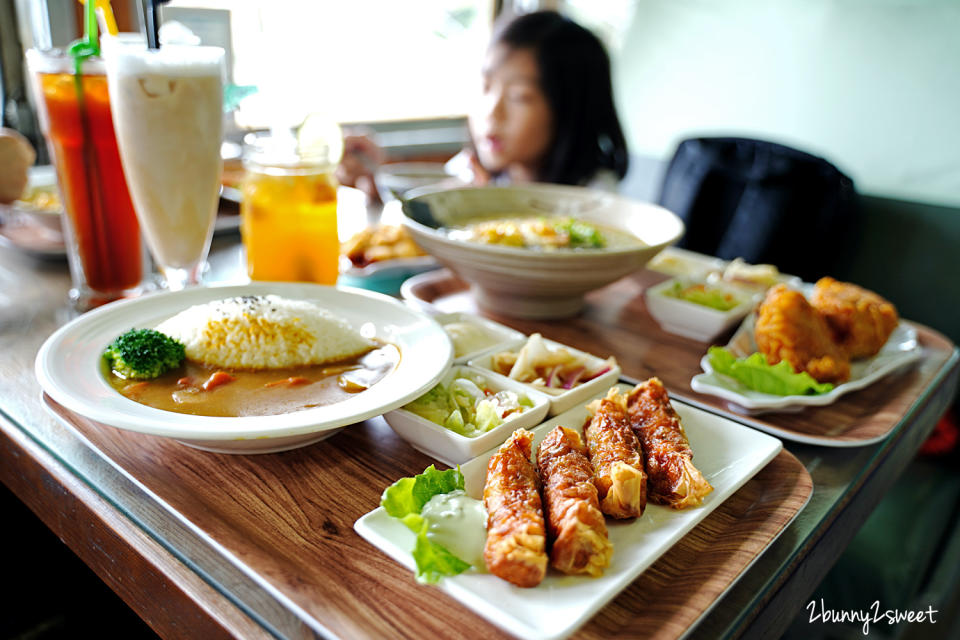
(468, 405)
(703, 294)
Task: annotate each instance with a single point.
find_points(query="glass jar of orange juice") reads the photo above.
(288, 215)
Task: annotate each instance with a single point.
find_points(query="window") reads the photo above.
(356, 61)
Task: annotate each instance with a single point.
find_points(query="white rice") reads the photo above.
(263, 332)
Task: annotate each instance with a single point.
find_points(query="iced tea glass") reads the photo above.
(104, 245)
(288, 215)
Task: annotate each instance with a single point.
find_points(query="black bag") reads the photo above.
(763, 202)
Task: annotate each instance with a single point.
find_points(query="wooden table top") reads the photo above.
(189, 535)
(288, 519)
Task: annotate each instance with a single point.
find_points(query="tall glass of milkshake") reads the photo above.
(167, 108)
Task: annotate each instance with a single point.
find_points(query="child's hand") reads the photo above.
(481, 176)
(361, 157)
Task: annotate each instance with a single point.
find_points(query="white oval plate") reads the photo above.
(68, 368)
(900, 350)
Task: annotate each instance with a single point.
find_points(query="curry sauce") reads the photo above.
(203, 390)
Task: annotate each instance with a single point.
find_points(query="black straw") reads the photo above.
(151, 19)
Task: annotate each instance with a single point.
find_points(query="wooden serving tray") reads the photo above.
(616, 322)
(287, 518)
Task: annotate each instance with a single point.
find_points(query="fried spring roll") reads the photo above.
(672, 478)
(516, 540)
(616, 458)
(574, 521)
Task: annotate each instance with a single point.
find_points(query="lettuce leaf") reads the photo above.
(455, 423)
(434, 405)
(404, 500)
(757, 374)
(487, 416)
(433, 560)
(408, 495)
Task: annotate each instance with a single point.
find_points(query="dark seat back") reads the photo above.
(763, 202)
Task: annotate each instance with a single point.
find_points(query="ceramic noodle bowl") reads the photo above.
(533, 282)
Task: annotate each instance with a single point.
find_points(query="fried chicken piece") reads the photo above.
(516, 537)
(380, 243)
(789, 328)
(861, 320)
(574, 520)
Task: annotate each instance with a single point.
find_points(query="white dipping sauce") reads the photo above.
(458, 523)
(468, 337)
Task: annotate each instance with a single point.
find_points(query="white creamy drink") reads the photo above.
(167, 108)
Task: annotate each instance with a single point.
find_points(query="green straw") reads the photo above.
(89, 45)
(82, 50)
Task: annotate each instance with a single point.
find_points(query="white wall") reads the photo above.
(872, 85)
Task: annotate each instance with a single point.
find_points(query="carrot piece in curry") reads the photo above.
(216, 379)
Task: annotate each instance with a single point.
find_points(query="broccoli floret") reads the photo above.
(142, 354)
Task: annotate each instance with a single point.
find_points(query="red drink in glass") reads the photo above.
(105, 249)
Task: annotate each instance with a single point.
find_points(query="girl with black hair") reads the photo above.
(547, 112)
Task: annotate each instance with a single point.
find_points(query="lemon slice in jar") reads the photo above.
(320, 138)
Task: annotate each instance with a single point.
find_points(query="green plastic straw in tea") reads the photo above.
(82, 50)
(89, 45)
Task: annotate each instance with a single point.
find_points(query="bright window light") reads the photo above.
(357, 60)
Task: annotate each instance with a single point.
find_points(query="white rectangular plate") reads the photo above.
(727, 453)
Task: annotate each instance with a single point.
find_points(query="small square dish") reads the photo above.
(677, 262)
(567, 375)
(674, 261)
(454, 389)
(473, 336)
(697, 309)
(755, 277)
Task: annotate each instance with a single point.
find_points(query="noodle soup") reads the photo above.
(546, 233)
